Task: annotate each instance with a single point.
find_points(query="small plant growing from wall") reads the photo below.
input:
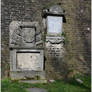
(63, 34)
(65, 37)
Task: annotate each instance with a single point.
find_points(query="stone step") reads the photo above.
(36, 90)
(34, 81)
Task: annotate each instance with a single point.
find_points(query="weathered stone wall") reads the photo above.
(77, 32)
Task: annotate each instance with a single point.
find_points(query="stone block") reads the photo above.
(27, 63)
(24, 34)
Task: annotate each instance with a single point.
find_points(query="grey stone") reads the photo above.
(55, 40)
(79, 81)
(27, 75)
(36, 90)
(23, 68)
(24, 34)
(56, 9)
(51, 81)
(55, 50)
(29, 61)
(26, 60)
(34, 81)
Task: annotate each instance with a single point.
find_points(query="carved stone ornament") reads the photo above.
(53, 10)
(56, 9)
(24, 34)
(55, 40)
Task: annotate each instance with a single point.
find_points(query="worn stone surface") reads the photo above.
(27, 63)
(53, 10)
(36, 90)
(34, 81)
(77, 33)
(54, 52)
(24, 34)
(33, 76)
(55, 40)
(55, 47)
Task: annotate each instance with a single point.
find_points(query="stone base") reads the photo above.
(33, 59)
(54, 53)
(27, 75)
(33, 81)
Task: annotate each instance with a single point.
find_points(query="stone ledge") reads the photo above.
(36, 90)
(33, 81)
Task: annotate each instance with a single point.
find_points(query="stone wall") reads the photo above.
(77, 33)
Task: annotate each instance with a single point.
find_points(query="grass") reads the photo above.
(57, 86)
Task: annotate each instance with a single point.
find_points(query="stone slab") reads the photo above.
(27, 75)
(22, 66)
(29, 61)
(21, 59)
(33, 81)
(36, 90)
(54, 25)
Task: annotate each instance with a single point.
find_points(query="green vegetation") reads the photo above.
(65, 38)
(58, 86)
(63, 34)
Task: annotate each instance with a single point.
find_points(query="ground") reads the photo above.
(58, 86)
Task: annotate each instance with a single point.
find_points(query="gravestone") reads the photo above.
(27, 60)
(54, 18)
(54, 45)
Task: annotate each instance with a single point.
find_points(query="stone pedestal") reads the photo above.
(54, 52)
(26, 59)
(54, 49)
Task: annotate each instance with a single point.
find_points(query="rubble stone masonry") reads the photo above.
(77, 33)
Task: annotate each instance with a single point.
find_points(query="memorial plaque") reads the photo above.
(54, 25)
(29, 61)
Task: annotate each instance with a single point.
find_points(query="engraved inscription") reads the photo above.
(29, 61)
(54, 25)
(55, 50)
